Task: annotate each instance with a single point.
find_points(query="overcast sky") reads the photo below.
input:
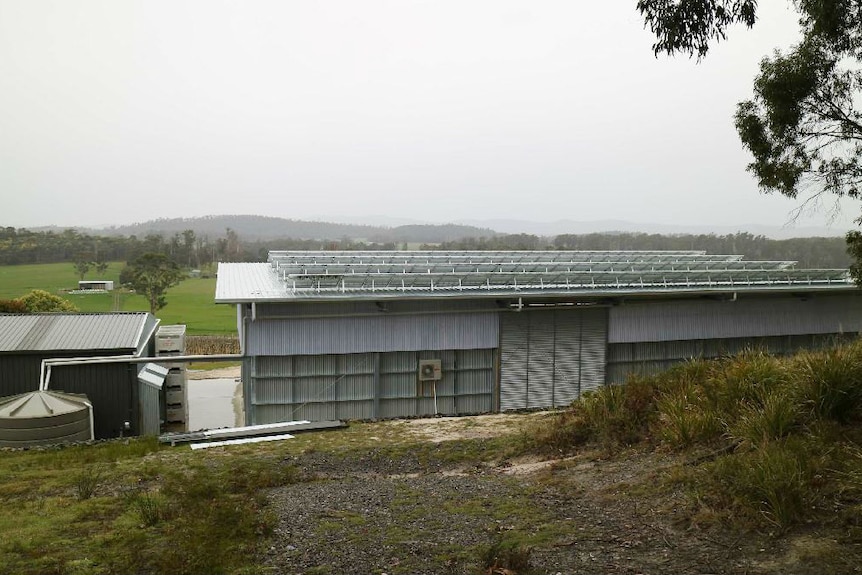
(115, 111)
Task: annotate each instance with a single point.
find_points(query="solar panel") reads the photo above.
(514, 272)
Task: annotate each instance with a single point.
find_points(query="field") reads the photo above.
(190, 303)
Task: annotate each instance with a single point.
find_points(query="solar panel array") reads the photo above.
(442, 272)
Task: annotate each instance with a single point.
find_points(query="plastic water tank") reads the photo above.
(44, 417)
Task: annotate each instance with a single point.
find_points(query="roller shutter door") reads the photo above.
(594, 345)
(549, 357)
(540, 370)
(514, 339)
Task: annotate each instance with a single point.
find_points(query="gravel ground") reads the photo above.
(374, 512)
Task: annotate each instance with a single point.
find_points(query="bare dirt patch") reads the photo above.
(439, 429)
(422, 508)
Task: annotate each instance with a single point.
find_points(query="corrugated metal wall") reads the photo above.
(19, 373)
(376, 333)
(549, 357)
(625, 359)
(149, 409)
(111, 388)
(365, 307)
(366, 385)
(746, 317)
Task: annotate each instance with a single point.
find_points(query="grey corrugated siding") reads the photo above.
(748, 317)
(348, 308)
(646, 358)
(149, 411)
(343, 386)
(567, 358)
(514, 354)
(563, 351)
(594, 345)
(382, 333)
(540, 364)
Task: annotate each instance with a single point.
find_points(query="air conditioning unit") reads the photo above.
(430, 370)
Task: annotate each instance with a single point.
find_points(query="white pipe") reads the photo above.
(92, 423)
(62, 361)
(149, 337)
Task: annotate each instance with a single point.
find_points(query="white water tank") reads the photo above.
(43, 418)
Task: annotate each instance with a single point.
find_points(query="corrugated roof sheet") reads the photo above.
(65, 332)
(292, 275)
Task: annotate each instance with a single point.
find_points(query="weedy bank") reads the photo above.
(772, 443)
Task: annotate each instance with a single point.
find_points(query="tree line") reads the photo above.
(809, 252)
(191, 250)
(188, 248)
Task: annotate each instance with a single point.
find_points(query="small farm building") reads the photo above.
(27, 341)
(359, 335)
(96, 285)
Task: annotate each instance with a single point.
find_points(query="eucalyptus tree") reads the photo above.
(803, 126)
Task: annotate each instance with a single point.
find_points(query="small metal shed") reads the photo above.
(28, 340)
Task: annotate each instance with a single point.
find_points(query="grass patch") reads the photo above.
(505, 556)
(135, 507)
(192, 302)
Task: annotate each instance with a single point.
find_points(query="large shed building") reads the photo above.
(361, 335)
(28, 341)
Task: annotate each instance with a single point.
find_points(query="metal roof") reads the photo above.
(66, 332)
(293, 275)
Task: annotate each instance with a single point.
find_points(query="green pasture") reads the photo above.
(191, 302)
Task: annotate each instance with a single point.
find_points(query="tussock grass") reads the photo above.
(783, 431)
(505, 556)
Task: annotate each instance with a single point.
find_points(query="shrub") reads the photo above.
(12, 306)
(510, 557)
(150, 508)
(684, 421)
(39, 301)
(743, 379)
(773, 480)
(775, 417)
(828, 382)
(86, 482)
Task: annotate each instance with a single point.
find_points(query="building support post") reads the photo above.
(375, 409)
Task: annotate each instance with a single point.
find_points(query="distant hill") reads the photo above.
(261, 228)
(559, 227)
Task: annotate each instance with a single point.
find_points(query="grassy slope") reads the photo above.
(141, 507)
(190, 303)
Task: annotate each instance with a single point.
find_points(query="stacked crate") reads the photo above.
(171, 341)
